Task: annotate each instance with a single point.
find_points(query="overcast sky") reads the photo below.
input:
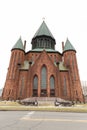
(64, 18)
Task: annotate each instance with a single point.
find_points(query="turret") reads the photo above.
(68, 53)
(70, 62)
(18, 51)
(17, 58)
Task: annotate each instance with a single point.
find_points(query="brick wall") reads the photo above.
(19, 83)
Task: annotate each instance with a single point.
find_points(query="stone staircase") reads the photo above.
(43, 101)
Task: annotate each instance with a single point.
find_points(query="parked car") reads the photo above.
(29, 102)
(65, 103)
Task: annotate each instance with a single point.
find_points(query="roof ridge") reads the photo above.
(41, 56)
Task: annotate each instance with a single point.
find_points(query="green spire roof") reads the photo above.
(68, 46)
(43, 30)
(19, 45)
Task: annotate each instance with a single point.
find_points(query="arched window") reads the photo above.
(52, 82)
(65, 87)
(35, 86)
(52, 86)
(35, 82)
(43, 78)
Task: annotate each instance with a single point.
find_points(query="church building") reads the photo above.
(43, 71)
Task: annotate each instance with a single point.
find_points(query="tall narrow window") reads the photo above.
(52, 86)
(43, 77)
(35, 86)
(19, 59)
(35, 82)
(73, 67)
(52, 82)
(65, 87)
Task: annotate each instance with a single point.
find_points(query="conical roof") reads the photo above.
(18, 45)
(68, 46)
(43, 30)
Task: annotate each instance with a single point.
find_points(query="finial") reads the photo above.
(43, 18)
(67, 38)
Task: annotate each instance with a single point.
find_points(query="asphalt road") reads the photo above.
(32, 120)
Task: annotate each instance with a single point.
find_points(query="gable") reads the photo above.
(44, 59)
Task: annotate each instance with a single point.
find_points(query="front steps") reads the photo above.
(43, 101)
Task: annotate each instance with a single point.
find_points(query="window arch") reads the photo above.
(52, 86)
(35, 82)
(52, 82)
(35, 86)
(43, 77)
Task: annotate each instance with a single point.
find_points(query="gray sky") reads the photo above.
(64, 18)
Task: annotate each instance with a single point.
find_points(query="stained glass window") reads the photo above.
(35, 82)
(52, 82)
(43, 77)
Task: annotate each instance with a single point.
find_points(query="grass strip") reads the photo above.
(31, 108)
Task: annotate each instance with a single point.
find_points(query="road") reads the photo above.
(32, 120)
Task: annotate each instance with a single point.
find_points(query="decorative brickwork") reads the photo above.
(43, 71)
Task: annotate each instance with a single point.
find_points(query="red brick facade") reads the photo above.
(59, 73)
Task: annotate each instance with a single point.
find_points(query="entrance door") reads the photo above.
(43, 93)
